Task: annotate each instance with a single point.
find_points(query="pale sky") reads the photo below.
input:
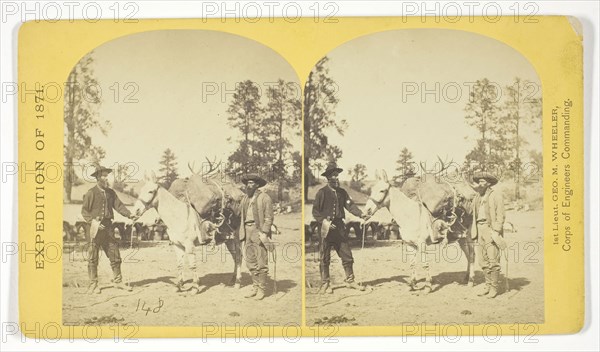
(373, 71)
(172, 69)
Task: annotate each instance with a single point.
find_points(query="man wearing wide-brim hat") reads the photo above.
(97, 210)
(255, 232)
(328, 211)
(487, 229)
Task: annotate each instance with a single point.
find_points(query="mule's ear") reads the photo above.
(153, 176)
(146, 177)
(377, 177)
(384, 176)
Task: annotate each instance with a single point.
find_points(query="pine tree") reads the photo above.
(320, 102)
(246, 115)
(521, 107)
(82, 101)
(482, 113)
(404, 166)
(283, 114)
(358, 173)
(168, 169)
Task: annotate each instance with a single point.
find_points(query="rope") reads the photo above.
(454, 201)
(105, 300)
(506, 271)
(274, 272)
(133, 231)
(369, 290)
(222, 202)
(421, 206)
(454, 197)
(364, 234)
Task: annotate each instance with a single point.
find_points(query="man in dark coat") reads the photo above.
(255, 231)
(487, 229)
(97, 210)
(328, 211)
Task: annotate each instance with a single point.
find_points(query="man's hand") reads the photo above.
(365, 217)
(499, 240)
(330, 224)
(133, 217)
(100, 226)
(264, 238)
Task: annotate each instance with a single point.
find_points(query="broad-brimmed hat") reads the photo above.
(254, 177)
(99, 170)
(331, 168)
(486, 176)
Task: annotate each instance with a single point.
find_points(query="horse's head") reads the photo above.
(440, 229)
(379, 193)
(148, 195)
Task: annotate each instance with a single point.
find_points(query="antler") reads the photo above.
(423, 167)
(444, 164)
(191, 167)
(211, 166)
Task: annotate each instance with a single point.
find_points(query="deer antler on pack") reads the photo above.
(191, 167)
(423, 167)
(444, 164)
(211, 165)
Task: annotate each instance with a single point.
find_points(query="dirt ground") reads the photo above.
(150, 269)
(383, 266)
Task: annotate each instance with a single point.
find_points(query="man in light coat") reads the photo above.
(255, 232)
(487, 229)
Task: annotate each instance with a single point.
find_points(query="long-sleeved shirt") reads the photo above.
(330, 203)
(261, 211)
(99, 203)
(492, 203)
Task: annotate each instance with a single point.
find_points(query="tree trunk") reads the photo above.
(69, 171)
(68, 184)
(485, 149)
(306, 131)
(280, 161)
(518, 164)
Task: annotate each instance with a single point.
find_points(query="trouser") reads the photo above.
(104, 239)
(488, 255)
(257, 258)
(338, 240)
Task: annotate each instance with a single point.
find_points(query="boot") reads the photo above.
(495, 275)
(354, 285)
(486, 288)
(93, 288)
(325, 288)
(261, 281)
(254, 289)
(485, 291)
(260, 294)
(122, 286)
(117, 276)
(252, 292)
